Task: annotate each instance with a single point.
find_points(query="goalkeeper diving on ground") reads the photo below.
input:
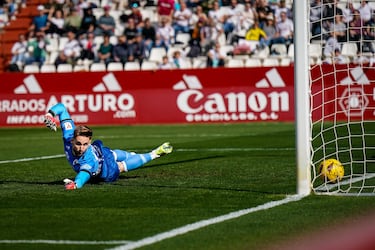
(92, 160)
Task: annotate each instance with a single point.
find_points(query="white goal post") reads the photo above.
(334, 79)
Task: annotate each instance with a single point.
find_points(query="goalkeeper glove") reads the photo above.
(50, 121)
(69, 184)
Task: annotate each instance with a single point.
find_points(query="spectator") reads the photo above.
(130, 31)
(121, 50)
(39, 22)
(88, 20)
(365, 10)
(177, 61)
(165, 64)
(181, 19)
(164, 34)
(106, 23)
(38, 49)
(355, 27)
(316, 12)
(138, 49)
(215, 13)
(215, 58)
(330, 10)
(135, 14)
(56, 22)
(270, 30)
(283, 8)
(19, 51)
(149, 34)
(71, 51)
(340, 28)
(198, 16)
(165, 10)
(73, 20)
(256, 35)
(263, 9)
(331, 46)
(231, 18)
(105, 51)
(210, 34)
(88, 46)
(246, 19)
(348, 13)
(285, 30)
(338, 58)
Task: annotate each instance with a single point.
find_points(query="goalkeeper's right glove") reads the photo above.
(50, 122)
(69, 184)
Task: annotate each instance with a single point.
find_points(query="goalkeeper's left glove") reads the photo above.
(50, 121)
(69, 184)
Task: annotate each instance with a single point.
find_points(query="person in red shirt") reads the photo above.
(165, 8)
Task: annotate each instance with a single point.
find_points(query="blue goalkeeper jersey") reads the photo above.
(97, 160)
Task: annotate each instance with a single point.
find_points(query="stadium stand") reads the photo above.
(19, 23)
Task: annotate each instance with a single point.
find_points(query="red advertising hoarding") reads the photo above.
(166, 96)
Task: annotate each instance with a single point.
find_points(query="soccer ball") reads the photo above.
(331, 170)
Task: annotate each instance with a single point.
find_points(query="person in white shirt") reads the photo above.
(285, 31)
(215, 57)
(164, 34)
(56, 22)
(365, 11)
(181, 19)
(19, 51)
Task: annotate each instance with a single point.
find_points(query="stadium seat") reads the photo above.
(349, 49)
(253, 62)
(97, 67)
(62, 68)
(278, 50)
(270, 62)
(156, 54)
(186, 64)
(235, 63)
(115, 66)
(149, 65)
(262, 54)
(132, 66)
(53, 44)
(315, 50)
(62, 41)
(199, 62)
(98, 40)
(183, 38)
(51, 57)
(48, 68)
(149, 13)
(79, 68)
(291, 51)
(225, 49)
(172, 49)
(32, 68)
(285, 61)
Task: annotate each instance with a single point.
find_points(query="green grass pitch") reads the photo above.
(214, 170)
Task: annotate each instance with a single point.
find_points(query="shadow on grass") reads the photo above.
(125, 177)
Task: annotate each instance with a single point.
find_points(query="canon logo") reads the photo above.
(193, 101)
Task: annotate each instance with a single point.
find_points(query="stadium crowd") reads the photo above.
(184, 32)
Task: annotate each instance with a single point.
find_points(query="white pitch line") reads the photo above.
(177, 150)
(33, 158)
(65, 242)
(203, 223)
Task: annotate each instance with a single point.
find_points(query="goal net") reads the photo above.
(342, 93)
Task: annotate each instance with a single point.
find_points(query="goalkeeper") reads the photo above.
(92, 160)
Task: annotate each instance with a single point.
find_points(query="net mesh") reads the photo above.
(342, 78)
